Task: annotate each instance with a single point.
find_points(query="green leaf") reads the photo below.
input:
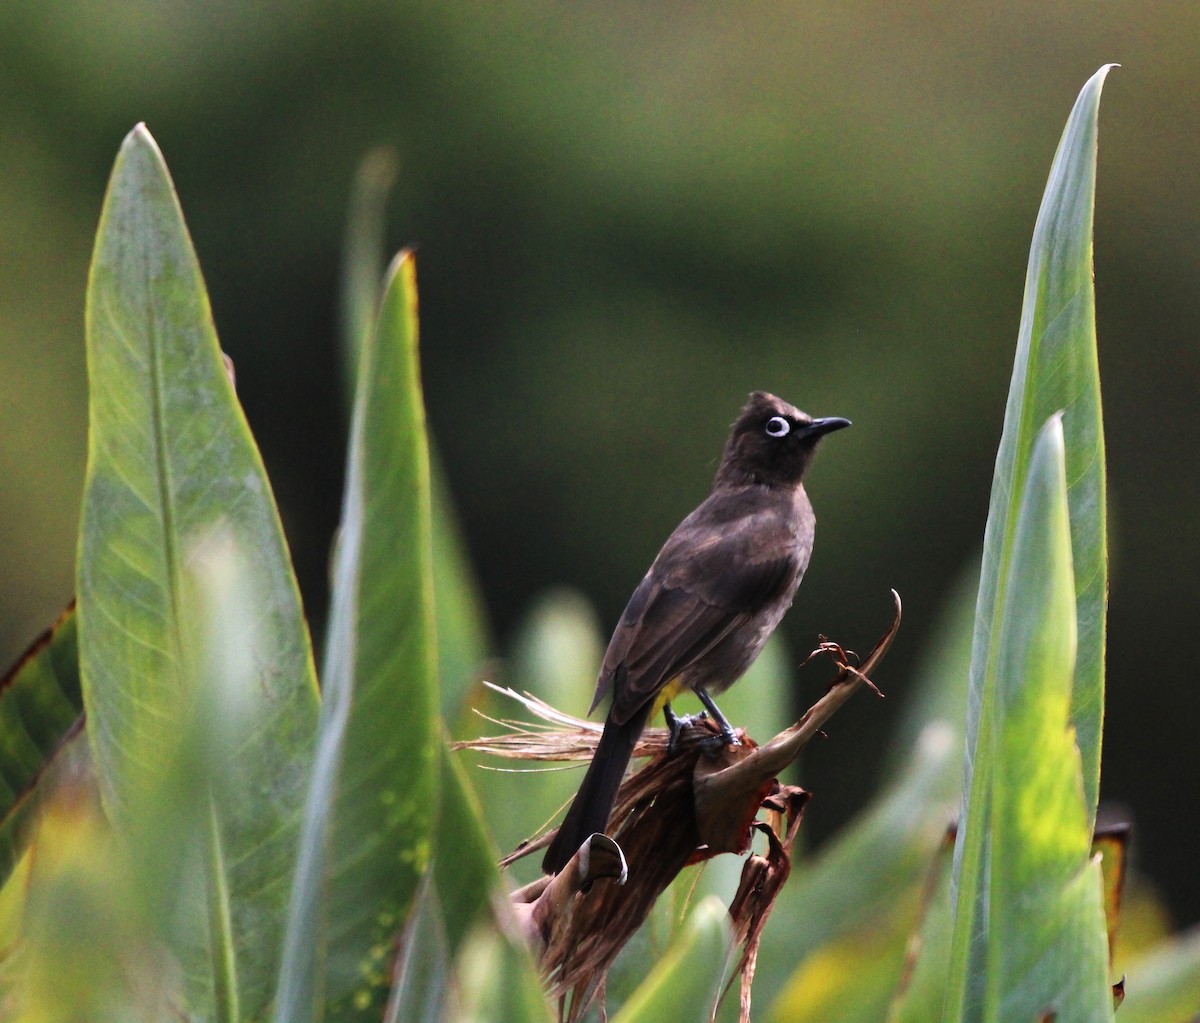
(923, 987)
(78, 934)
(1030, 936)
(465, 871)
(462, 630)
(362, 259)
(182, 832)
(1055, 370)
(1164, 985)
(685, 983)
(885, 852)
(171, 465)
(497, 982)
(422, 988)
(41, 708)
(492, 967)
(101, 899)
(1048, 945)
(853, 977)
(371, 807)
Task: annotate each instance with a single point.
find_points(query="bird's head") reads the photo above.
(772, 443)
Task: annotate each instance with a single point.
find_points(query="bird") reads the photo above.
(714, 594)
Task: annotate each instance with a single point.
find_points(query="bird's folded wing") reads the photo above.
(676, 617)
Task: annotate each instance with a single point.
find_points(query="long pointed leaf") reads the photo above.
(362, 259)
(371, 807)
(1055, 369)
(171, 463)
(462, 631)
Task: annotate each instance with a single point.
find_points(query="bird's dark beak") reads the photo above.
(820, 427)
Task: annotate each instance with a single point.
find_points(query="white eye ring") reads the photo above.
(777, 426)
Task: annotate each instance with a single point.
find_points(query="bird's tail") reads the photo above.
(594, 800)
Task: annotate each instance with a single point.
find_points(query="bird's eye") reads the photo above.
(777, 426)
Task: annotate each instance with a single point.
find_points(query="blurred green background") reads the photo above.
(628, 216)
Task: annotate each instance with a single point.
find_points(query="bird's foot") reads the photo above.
(676, 725)
(713, 744)
(725, 735)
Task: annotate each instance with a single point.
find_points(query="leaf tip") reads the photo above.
(139, 137)
(1096, 82)
(404, 262)
(380, 168)
(139, 161)
(1052, 430)
(403, 271)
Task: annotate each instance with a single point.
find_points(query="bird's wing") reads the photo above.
(707, 581)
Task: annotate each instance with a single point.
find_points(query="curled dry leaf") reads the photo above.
(763, 877)
(544, 907)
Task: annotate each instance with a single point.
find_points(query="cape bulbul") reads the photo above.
(716, 591)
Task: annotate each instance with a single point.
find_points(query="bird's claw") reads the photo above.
(713, 744)
(676, 725)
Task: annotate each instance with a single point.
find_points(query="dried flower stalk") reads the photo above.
(678, 809)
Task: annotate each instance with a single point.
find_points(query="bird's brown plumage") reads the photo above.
(718, 588)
